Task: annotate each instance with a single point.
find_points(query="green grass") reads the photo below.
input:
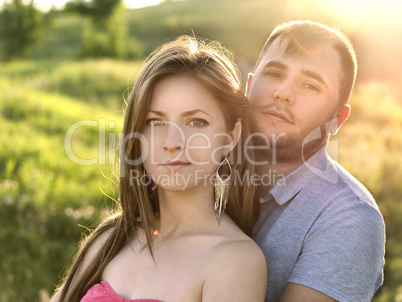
(44, 195)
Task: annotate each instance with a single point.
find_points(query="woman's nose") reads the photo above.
(174, 139)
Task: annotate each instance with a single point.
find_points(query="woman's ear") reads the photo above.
(235, 136)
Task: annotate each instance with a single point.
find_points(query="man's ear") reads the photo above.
(249, 77)
(235, 136)
(341, 117)
(345, 114)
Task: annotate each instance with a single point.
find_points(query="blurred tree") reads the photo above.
(106, 35)
(20, 26)
(99, 10)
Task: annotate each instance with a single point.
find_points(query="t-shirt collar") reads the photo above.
(293, 183)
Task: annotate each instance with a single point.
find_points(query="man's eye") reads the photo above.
(312, 87)
(154, 122)
(273, 74)
(198, 123)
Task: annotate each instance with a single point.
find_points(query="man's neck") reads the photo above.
(271, 174)
(276, 171)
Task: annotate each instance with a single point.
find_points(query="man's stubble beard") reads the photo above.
(286, 148)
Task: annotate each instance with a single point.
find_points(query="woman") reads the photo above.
(180, 168)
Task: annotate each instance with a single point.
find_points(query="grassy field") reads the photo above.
(48, 199)
(44, 195)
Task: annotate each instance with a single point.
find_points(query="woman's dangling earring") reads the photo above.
(221, 190)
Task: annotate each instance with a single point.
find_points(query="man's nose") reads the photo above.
(174, 138)
(284, 92)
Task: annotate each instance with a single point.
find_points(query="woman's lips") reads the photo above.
(175, 166)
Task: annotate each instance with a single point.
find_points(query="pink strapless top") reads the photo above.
(102, 292)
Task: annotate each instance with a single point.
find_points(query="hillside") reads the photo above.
(241, 26)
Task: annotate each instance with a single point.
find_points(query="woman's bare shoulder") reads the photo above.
(237, 271)
(241, 248)
(235, 243)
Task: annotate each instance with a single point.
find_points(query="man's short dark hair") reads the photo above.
(305, 35)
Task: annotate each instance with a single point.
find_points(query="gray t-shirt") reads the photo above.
(319, 227)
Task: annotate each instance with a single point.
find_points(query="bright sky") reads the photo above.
(47, 4)
(351, 12)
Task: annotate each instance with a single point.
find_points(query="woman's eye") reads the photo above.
(198, 123)
(154, 122)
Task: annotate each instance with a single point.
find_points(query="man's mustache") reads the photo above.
(280, 109)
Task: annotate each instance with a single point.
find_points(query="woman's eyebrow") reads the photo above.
(192, 112)
(185, 114)
(160, 113)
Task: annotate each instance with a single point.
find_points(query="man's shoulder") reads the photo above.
(338, 196)
(345, 198)
(322, 178)
(351, 189)
(336, 182)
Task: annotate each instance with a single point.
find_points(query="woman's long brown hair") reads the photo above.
(208, 63)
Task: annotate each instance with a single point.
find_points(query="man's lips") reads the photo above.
(277, 116)
(175, 165)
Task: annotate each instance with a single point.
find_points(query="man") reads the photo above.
(320, 229)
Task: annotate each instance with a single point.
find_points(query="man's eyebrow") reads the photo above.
(308, 73)
(276, 64)
(314, 75)
(187, 113)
